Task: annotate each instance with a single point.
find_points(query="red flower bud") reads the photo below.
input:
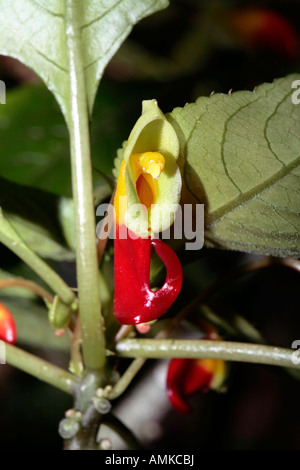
(134, 301)
(8, 331)
(188, 376)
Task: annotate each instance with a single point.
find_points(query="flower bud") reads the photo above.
(8, 331)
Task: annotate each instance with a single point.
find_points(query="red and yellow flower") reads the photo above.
(147, 194)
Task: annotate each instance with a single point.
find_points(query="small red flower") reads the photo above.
(8, 331)
(188, 376)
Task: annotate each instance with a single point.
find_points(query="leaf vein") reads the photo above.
(124, 33)
(246, 197)
(63, 69)
(49, 12)
(87, 25)
(267, 124)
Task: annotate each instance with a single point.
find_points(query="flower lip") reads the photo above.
(134, 300)
(147, 168)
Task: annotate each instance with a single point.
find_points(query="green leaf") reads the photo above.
(39, 34)
(35, 144)
(66, 216)
(240, 156)
(34, 215)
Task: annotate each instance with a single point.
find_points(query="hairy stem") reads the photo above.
(40, 368)
(194, 349)
(93, 343)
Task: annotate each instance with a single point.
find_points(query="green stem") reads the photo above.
(86, 438)
(10, 238)
(127, 378)
(76, 364)
(138, 363)
(93, 343)
(194, 349)
(86, 390)
(30, 285)
(40, 368)
(102, 240)
(105, 294)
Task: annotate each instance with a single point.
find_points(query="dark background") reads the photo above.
(188, 50)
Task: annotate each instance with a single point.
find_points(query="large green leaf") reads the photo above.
(34, 141)
(35, 144)
(39, 33)
(37, 216)
(240, 156)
